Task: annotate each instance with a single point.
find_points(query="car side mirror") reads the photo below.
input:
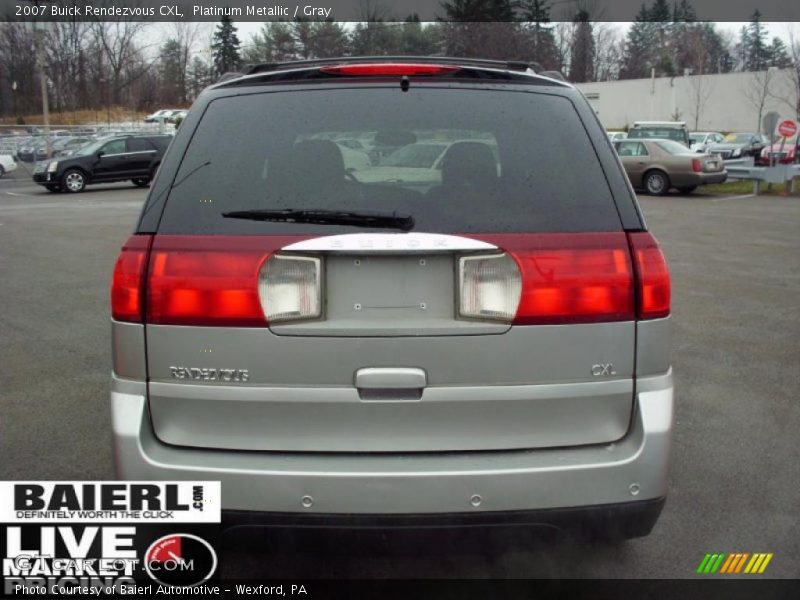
(100, 154)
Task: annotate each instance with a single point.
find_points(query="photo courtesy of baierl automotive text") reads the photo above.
(358, 299)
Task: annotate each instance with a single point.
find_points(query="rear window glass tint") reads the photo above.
(664, 133)
(458, 160)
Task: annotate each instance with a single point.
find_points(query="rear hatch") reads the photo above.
(294, 303)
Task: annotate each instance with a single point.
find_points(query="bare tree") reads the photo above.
(700, 85)
(65, 48)
(757, 89)
(188, 34)
(117, 41)
(700, 88)
(793, 98)
(608, 45)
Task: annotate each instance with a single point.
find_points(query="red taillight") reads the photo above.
(697, 167)
(389, 69)
(128, 280)
(652, 276)
(571, 278)
(208, 280)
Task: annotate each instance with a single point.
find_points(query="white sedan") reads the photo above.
(7, 164)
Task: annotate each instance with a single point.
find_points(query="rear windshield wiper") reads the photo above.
(327, 217)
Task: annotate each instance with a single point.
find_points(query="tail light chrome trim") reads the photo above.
(379, 243)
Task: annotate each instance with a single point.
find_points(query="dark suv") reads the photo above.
(479, 338)
(134, 157)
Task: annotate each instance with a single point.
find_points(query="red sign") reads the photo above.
(787, 128)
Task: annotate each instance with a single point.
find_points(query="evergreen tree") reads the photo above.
(170, 72)
(538, 39)
(636, 55)
(755, 45)
(684, 12)
(225, 47)
(482, 28)
(581, 66)
(778, 54)
(199, 77)
(328, 39)
(302, 33)
(661, 28)
(375, 38)
(418, 39)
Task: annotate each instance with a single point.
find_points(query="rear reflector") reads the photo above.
(389, 69)
(208, 280)
(290, 288)
(696, 166)
(489, 287)
(128, 279)
(652, 276)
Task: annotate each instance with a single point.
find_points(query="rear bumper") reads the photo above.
(628, 519)
(693, 179)
(631, 470)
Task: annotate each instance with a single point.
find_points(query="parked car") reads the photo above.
(159, 115)
(7, 164)
(699, 141)
(493, 348)
(56, 145)
(28, 151)
(115, 159)
(661, 130)
(617, 135)
(177, 115)
(739, 145)
(656, 166)
(783, 152)
(73, 145)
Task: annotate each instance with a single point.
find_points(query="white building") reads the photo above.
(725, 102)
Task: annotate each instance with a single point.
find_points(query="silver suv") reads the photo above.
(477, 334)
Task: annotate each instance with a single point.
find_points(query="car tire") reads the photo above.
(2, 171)
(73, 181)
(53, 188)
(656, 183)
(141, 181)
(687, 190)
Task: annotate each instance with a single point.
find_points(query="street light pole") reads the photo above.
(40, 64)
(45, 99)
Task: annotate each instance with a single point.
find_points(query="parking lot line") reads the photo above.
(733, 197)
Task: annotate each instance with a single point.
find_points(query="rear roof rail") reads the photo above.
(440, 60)
(315, 69)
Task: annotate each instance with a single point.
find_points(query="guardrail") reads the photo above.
(744, 168)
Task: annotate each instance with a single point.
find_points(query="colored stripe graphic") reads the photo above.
(734, 563)
(703, 563)
(717, 563)
(740, 564)
(765, 563)
(727, 564)
(711, 562)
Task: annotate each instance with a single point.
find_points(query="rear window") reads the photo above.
(456, 160)
(671, 147)
(663, 133)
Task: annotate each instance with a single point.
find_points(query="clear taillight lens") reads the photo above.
(290, 288)
(489, 287)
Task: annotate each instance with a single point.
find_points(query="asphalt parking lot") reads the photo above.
(736, 310)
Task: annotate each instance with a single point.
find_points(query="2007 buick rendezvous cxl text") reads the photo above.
(408, 290)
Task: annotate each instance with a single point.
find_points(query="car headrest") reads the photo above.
(469, 164)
